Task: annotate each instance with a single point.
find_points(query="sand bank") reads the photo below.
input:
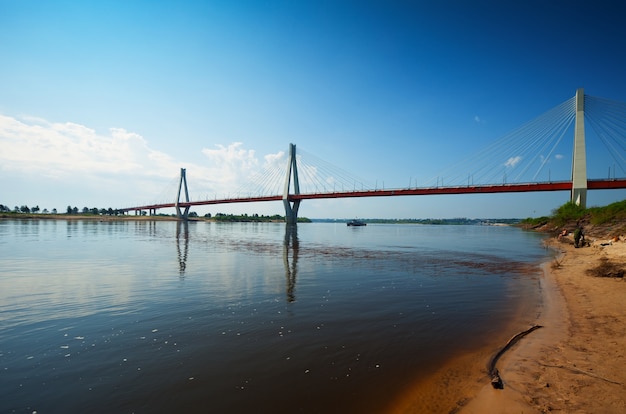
(576, 363)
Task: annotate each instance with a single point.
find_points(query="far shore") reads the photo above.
(93, 217)
(31, 216)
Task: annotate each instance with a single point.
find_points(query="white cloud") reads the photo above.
(118, 164)
(271, 159)
(56, 149)
(513, 161)
(559, 156)
(477, 119)
(231, 161)
(236, 169)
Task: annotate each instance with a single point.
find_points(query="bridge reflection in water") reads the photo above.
(182, 230)
(291, 247)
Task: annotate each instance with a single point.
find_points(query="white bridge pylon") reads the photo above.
(579, 158)
(291, 207)
(181, 183)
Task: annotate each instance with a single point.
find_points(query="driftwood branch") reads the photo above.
(580, 371)
(496, 381)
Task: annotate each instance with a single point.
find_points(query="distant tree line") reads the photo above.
(448, 221)
(94, 211)
(25, 209)
(70, 210)
(245, 218)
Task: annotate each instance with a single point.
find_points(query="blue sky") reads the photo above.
(101, 103)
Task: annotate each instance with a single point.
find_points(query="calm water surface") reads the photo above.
(134, 316)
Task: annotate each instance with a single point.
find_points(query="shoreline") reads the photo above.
(575, 363)
(458, 384)
(107, 218)
(87, 217)
(515, 365)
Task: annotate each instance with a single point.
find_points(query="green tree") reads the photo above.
(25, 209)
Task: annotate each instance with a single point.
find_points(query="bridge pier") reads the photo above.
(579, 160)
(291, 208)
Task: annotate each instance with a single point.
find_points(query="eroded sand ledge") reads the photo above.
(575, 364)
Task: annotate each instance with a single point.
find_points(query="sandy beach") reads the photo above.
(575, 363)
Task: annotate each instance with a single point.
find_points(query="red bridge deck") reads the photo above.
(470, 189)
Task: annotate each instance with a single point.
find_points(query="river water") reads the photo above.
(145, 316)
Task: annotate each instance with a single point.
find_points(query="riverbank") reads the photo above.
(133, 217)
(575, 363)
(89, 217)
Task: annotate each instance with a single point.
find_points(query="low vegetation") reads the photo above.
(615, 212)
(599, 221)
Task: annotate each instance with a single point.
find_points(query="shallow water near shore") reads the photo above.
(142, 316)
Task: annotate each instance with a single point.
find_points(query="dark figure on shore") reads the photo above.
(579, 237)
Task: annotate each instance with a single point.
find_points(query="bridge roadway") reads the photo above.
(606, 184)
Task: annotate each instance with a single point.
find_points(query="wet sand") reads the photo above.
(576, 363)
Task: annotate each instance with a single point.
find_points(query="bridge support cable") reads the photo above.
(515, 155)
(608, 121)
(546, 136)
(168, 191)
(291, 208)
(579, 160)
(545, 159)
(322, 176)
(267, 181)
(182, 183)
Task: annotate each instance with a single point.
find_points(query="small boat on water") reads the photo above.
(356, 223)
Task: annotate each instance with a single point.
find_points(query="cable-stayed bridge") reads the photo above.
(513, 163)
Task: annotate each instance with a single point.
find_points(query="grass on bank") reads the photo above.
(570, 214)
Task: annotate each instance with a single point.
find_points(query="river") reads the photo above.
(162, 316)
